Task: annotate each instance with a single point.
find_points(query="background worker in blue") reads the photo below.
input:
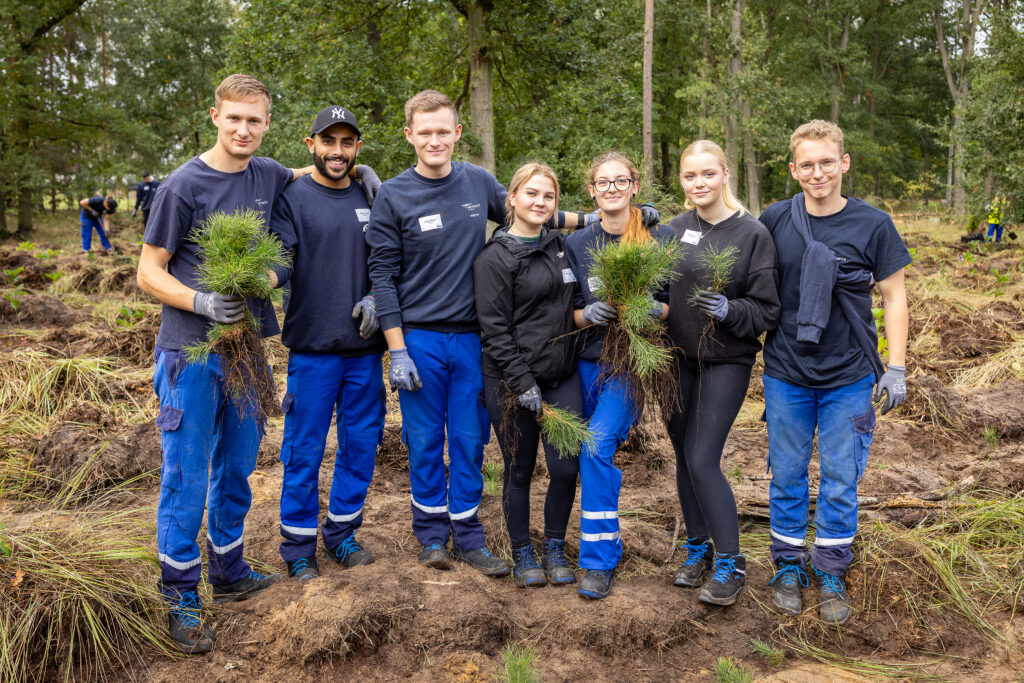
(144, 193)
(821, 363)
(607, 402)
(92, 218)
(427, 226)
(209, 451)
(334, 360)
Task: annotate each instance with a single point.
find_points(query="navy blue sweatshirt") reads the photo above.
(577, 249)
(144, 193)
(424, 236)
(324, 229)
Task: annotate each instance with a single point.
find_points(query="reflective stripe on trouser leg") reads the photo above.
(360, 424)
(467, 427)
(611, 412)
(423, 430)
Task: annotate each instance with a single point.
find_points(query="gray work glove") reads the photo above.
(656, 309)
(651, 216)
(599, 313)
(894, 385)
(530, 400)
(134, 211)
(403, 373)
(220, 308)
(367, 308)
(715, 305)
(370, 182)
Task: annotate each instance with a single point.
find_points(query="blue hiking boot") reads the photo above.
(243, 589)
(526, 571)
(596, 583)
(834, 606)
(482, 560)
(349, 553)
(304, 568)
(186, 626)
(695, 569)
(786, 584)
(727, 581)
(553, 560)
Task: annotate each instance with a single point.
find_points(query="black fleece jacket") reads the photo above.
(524, 304)
(753, 291)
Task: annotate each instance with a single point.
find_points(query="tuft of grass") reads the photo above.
(991, 436)
(772, 655)
(564, 430)
(493, 475)
(728, 671)
(520, 664)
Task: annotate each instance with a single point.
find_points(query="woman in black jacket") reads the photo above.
(717, 333)
(524, 295)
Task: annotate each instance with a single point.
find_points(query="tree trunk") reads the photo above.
(666, 163)
(751, 170)
(481, 87)
(648, 94)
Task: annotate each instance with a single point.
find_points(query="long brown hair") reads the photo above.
(635, 231)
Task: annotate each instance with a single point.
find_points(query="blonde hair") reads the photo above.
(521, 177)
(709, 147)
(635, 231)
(240, 88)
(816, 130)
(428, 101)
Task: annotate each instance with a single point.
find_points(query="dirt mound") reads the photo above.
(32, 271)
(132, 344)
(1000, 407)
(38, 310)
(121, 279)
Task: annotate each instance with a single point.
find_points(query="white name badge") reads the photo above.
(594, 283)
(363, 215)
(432, 222)
(691, 236)
(567, 275)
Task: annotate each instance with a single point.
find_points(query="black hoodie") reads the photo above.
(524, 304)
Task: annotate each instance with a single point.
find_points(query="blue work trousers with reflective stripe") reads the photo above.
(88, 225)
(845, 421)
(208, 454)
(609, 406)
(321, 385)
(450, 401)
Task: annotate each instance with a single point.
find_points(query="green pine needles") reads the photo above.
(717, 264)
(564, 430)
(237, 251)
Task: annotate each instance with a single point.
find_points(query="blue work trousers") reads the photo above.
(321, 385)
(208, 454)
(450, 401)
(88, 225)
(845, 421)
(608, 405)
(997, 230)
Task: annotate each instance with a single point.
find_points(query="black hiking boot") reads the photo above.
(555, 567)
(304, 568)
(526, 571)
(435, 556)
(727, 582)
(596, 583)
(695, 569)
(482, 560)
(186, 627)
(243, 589)
(834, 606)
(349, 553)
(786, 584)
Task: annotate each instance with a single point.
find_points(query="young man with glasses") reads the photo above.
(821, 363)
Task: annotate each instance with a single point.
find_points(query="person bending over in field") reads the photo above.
(92, 216)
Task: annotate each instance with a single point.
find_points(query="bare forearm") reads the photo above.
(394, 338)
(154, 279)
(897, 325)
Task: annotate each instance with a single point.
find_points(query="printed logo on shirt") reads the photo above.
(471, 207)
(691, 236)
(431, 222)
(261, 202)
(362, 215)
(594, 283)
(567, 275)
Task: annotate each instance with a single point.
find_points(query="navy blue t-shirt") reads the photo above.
(424, 236)
(578, 246)
(183, 201)
(324, 229)
(96, 204)
(144, 193)
(862, 238)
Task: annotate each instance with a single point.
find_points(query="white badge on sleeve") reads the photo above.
(691, 236)
(594, 283)
(362, 215)
(567, 275)
(431, 222)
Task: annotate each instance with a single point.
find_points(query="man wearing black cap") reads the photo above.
(334, 364)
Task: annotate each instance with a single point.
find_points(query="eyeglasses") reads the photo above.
(826, 166)
(620, 184)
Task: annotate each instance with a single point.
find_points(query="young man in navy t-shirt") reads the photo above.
(206, 445)
(821, 363)
(144, 193)
(92, 217)
(335, 352)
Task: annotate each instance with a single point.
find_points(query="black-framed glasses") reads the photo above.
(620, 184)
(826, 165)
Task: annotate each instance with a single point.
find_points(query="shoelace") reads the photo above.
(486, 552)
(525, 559)
(724, 568)
(554, 553)
(347, 547)
(256, 576)
(300, 564)
(187, 610)
(790, 574)
(829, 582)
(433, 546)
(695, 553)
(600, 573)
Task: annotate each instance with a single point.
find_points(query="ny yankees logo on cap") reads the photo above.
(338, 113)
(333, 115)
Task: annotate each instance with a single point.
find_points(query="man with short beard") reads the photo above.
(334, 364)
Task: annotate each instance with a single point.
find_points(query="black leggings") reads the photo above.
(517, 436)
(710, 396)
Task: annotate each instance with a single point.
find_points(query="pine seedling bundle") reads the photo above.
(564, 430)
(237, 251)
(717, 265)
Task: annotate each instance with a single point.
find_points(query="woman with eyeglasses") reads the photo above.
(613, 182)
(717, 335)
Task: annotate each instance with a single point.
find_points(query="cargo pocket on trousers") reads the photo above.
(169, 420)
(863, 434)
(286, 402)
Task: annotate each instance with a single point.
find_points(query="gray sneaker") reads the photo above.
(693, 572)
(834, 607)
(482, 560)
(435, 556)
(786, 585)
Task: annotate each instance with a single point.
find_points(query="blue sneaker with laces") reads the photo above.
(596, 583)
(185, 624)
(553, 561)
(243, 589)
(349, 553)
(695, 569)
(786, 584)
(304, 568)
(482, 560)
(728, 579)
(834, 606)
(526, 571)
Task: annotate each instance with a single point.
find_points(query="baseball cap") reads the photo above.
(329, 116)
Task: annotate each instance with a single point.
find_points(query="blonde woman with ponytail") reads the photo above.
(613, 182)
(717, 336)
